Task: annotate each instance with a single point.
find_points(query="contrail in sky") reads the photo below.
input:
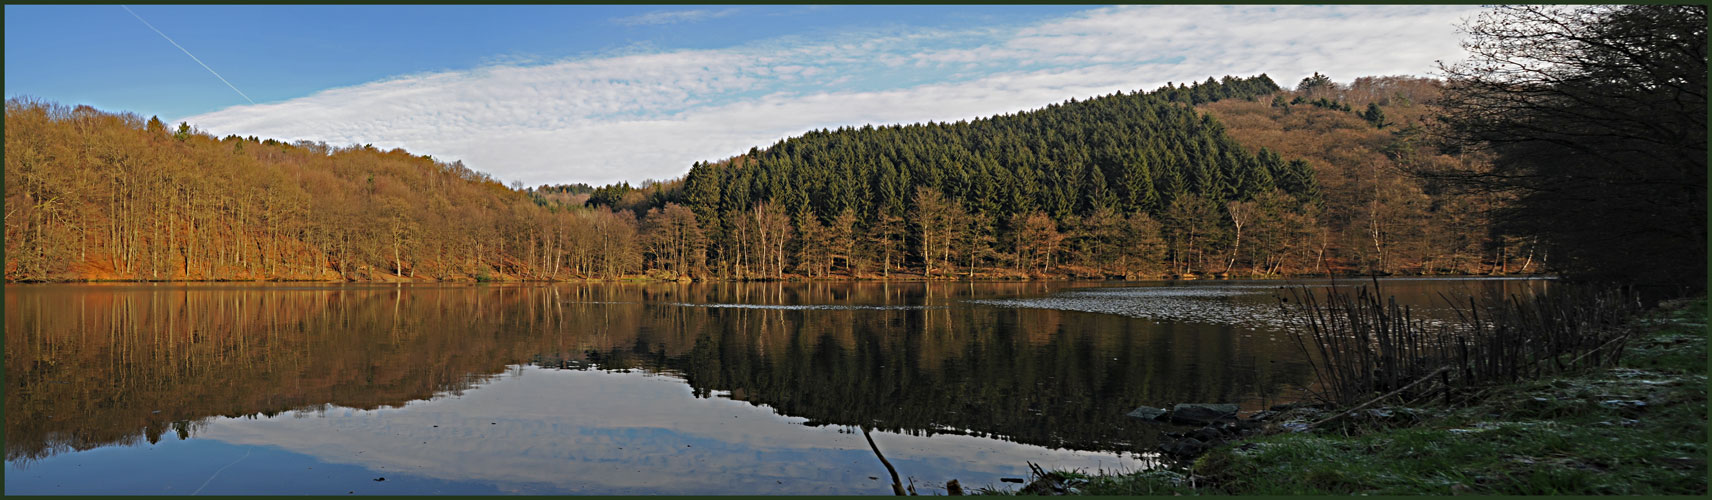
(186, 52)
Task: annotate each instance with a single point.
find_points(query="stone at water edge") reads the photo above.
(1149, 413)
(1207, 435)
(1202, 414)
(1183, 448)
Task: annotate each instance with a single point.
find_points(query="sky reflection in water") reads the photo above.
(192, 389)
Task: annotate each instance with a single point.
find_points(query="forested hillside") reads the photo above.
(93, 195)
(1233, 176)
(1254, 180)
(1365, 140)
(1083, 182)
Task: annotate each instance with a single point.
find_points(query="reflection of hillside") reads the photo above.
(1036, 376)
(91, 366)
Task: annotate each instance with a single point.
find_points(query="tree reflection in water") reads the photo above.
(101, 365)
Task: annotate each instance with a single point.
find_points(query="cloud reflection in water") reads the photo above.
(561, 431)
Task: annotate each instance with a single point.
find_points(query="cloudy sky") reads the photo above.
(560, 94)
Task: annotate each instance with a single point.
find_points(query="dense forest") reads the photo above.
(1377, 216)
(1125, 185)
(93, 195)
(1232, 176)
(1130, 185)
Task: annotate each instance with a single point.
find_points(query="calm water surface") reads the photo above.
(622, 388)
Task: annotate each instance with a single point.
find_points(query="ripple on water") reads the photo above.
(810, 307)
(1233, 305)
(1253, 306)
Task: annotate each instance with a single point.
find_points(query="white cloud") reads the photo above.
(650, 115)
(672, 17)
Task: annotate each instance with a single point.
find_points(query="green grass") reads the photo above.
(1576, 434)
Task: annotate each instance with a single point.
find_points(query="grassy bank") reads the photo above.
(1638, 428)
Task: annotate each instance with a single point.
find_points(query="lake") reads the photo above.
(644, 388)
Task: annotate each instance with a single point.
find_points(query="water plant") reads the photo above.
(1362, 344)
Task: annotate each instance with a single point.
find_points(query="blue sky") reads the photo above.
(557, 94)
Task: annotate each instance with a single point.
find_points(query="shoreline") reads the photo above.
(798, 279)
(1638, 427)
